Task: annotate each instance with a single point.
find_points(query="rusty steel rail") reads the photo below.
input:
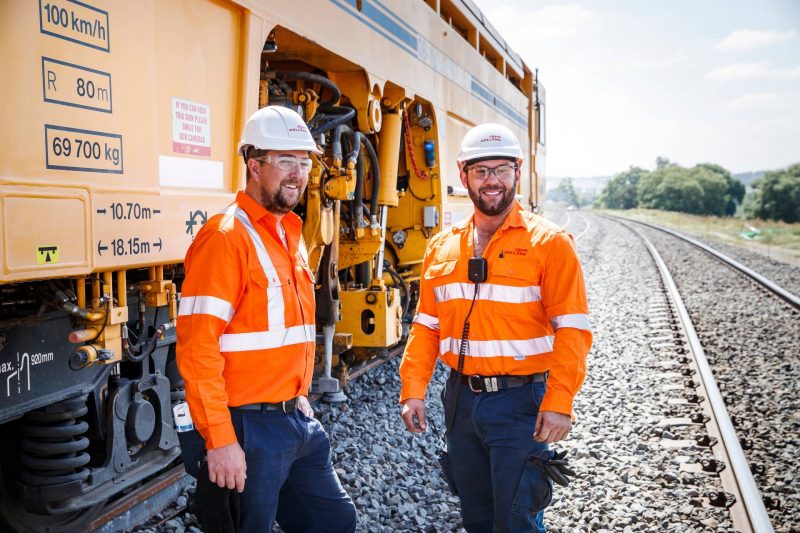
(747, 512)
(136, 507)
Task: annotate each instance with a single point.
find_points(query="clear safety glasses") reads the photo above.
(288, 162)
(502, 172)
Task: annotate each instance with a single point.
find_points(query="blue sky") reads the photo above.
(629, 80)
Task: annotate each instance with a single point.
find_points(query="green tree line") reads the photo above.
(705, 189)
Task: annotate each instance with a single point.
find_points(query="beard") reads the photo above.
(282, 200)
(492, 206)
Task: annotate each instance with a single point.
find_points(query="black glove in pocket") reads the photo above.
(557, 468)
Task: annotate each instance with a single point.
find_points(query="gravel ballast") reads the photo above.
(630, 477)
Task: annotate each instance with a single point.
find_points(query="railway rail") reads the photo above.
(691, 413)
(791, 299)
(743, 497)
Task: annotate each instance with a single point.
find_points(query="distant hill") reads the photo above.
(593, 184)
(749, 177)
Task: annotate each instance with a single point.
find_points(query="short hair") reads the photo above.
(251, 152)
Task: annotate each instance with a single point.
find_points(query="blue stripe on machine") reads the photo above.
(381, 23)
(394, 29)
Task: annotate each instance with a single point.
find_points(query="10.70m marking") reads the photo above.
(130, 211)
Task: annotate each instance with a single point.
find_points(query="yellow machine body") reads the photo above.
(120, 124)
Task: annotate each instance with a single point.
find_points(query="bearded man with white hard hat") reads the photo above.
(503, 304)
(246, 339)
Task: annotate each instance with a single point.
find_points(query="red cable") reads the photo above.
(417, 171)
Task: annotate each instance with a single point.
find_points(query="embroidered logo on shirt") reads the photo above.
(516, 251)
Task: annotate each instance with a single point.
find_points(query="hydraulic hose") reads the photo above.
(355, 143)
(358, 195)
(347, 114)
(336, 94)
(140, 351)
(376, 173)
(400, 281)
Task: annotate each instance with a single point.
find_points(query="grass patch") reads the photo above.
(778, 240)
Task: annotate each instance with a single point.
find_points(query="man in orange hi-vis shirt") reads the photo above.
(246, 337)
(502, 303)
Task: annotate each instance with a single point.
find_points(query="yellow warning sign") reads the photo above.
(46, 255)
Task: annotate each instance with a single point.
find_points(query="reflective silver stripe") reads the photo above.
(488, 291)
(571, 321)
(265, 340)
(427, 320)
(206, 305)
(301, 247)
(275, 304)
(511, 348)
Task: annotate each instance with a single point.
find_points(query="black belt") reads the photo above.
(286, 407)
(497, 383)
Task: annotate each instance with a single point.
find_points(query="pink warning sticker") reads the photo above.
(191, 128)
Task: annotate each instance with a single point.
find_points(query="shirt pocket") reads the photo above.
(515, 287)
(440, 269)
(265, 296)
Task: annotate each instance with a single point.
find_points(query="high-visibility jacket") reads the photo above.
(530, 316)
(246, 317)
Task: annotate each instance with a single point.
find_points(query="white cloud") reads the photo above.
(760, 102)
(549, 22)
(752, 71)
(749, 39)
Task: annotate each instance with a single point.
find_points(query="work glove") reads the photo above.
(216, 508)
(556, 468)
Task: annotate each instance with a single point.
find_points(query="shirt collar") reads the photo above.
(258, 214)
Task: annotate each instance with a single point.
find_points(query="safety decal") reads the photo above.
(191, 128)
(46, 255)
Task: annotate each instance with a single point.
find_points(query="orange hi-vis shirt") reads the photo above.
(531, 314)
(246, 319)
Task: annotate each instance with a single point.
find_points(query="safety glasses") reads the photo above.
(502, 172)
(288, 162)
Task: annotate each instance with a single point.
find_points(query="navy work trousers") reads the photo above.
(290, 455)
(490, 445)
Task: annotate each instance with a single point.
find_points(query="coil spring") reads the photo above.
(52, 448)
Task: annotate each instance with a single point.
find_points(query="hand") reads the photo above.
(413, 415)
(227, 467)
(216, 509)
(551, 427)
(304, 406)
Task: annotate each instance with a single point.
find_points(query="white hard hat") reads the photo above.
(488, 141)
(277, 128)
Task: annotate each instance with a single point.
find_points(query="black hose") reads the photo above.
(336, 94)
(348, 113)
(137, 353)
(400, 281)
(358, 195)
(355, 143)
(376, 174)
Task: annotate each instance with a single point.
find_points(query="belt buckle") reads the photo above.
(287, 406)
(469, 382)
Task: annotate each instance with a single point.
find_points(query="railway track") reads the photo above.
(694, 432)
(743, 499)
(675, 333)
(792, 299)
